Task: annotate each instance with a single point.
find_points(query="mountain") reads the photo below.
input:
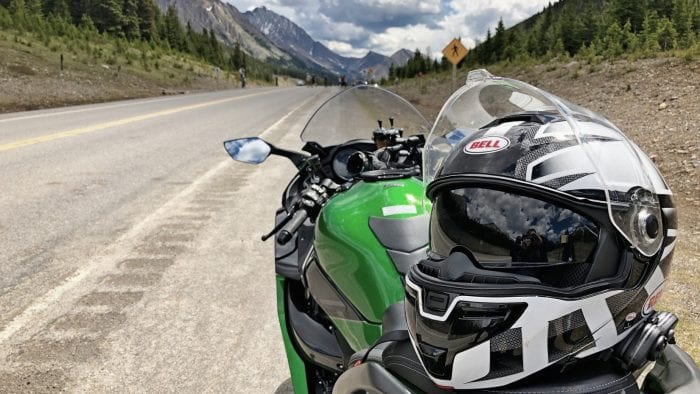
(296, 41)
(401, 57)
(271, 37)
(229, 25)
(374, 65)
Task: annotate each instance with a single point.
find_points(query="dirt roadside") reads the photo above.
(31, 76)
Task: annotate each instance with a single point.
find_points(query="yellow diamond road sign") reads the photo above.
(455, 51)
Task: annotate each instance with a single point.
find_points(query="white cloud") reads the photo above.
(345, 49)
(411, 37)
(378, 15)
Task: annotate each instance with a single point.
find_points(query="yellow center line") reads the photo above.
(115, 123)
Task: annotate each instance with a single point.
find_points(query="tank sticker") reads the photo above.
(485, 145)
(399, 210)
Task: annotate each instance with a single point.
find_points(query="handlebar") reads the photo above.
(287, 232)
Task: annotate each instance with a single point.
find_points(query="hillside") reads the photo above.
(31, 77)
(655, 102)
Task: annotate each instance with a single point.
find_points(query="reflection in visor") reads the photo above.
(505, 230)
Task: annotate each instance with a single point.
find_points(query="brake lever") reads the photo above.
(278, 227)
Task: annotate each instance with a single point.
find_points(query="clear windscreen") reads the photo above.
(353, 114)
(541, 138)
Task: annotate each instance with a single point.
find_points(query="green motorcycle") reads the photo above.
(352, 223)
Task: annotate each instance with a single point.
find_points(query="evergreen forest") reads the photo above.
(592, 30)
(129, 23)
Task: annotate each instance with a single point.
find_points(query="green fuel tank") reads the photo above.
(365, 239)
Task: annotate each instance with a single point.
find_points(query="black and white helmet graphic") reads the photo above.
(551, 235)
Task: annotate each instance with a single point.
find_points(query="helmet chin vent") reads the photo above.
(460, 267)
(435, 359)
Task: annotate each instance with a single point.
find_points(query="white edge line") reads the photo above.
(99, 106)
(94, 107)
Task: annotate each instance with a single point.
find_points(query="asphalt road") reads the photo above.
(130, 258)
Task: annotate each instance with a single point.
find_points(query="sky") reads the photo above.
(354, 27)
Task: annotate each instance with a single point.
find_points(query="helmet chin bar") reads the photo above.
(647, 340)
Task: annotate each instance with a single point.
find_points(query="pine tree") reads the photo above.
(486, 51)
(630, 42)
(34, 7)
(683, 24)
(108, 17)
(649, 37)
(236, 59)
(499, 41)
(173, 32)
(78, 8)
(512, 46)
(532, 45)
(663, 8)
(558, 48)
(217, 54)
(667, 34)
(18, 8)
(192, 40)
(130, 24)
(590, 23)
(544, 38)
(87, 25)
(613, 41)
(572, 32)
(147, 12)
(632, 10)
(58, 8)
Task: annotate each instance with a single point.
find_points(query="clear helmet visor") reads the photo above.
(504, 127)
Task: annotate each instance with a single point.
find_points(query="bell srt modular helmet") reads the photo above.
(550, 236)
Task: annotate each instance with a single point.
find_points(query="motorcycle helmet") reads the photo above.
(551, 234)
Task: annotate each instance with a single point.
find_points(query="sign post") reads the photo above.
(454, 52)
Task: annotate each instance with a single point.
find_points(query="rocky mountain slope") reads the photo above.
(293, 39)
(228, 24)
(272, 37)
(296, 41)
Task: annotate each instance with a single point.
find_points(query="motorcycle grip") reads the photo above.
(287, 232)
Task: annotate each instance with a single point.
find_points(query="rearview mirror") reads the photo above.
(251, 150)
